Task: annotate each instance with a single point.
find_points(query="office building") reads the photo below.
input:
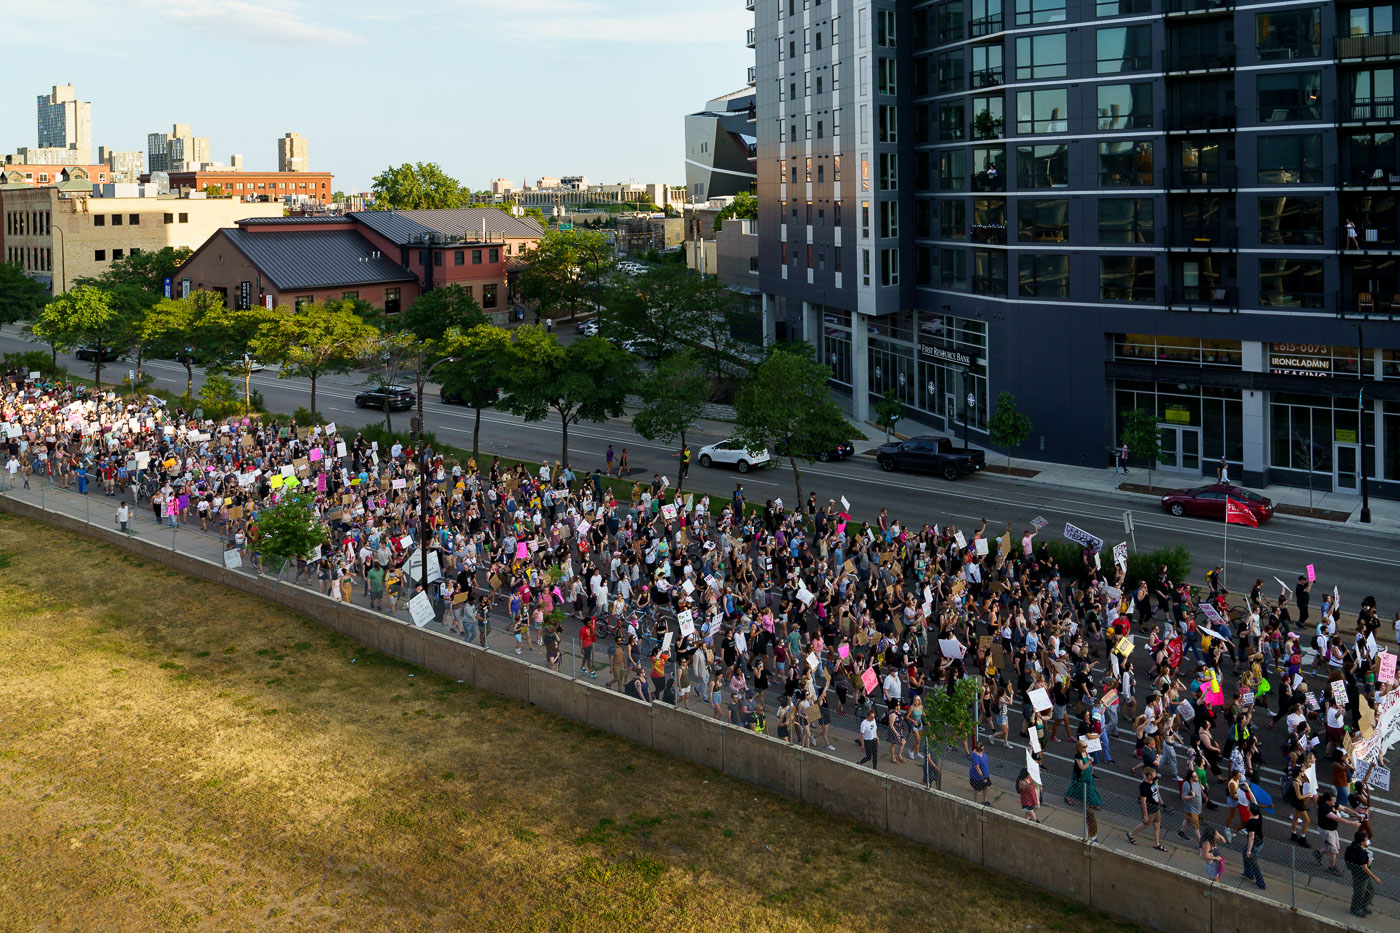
(176, 151)
(580, 192)
(502, 188)
(65, 123)
(122, 166)
(293, 153)
(1184, 206)
(720, 147)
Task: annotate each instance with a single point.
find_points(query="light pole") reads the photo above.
(1361, 422)
(967, 415)
(423, 375)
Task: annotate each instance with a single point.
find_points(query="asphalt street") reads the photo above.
(1358, 562)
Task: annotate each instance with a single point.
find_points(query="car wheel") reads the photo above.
(1178, 508)
(705, 461)
(823, 456)
(950, 472)
(359, 402)
(742, 466)
(886, 464)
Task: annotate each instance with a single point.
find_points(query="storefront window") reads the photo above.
(835, 348)
(1180, 350)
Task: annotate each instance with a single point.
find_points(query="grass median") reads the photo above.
(176, 755)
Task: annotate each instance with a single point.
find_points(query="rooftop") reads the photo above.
(320, 259)
(468, 223)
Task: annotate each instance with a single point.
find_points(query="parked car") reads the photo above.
(731, 453)
(839, 452)
(1209, 502)
(930, 454)
(395, 398)
(588, 328)
(90, 354)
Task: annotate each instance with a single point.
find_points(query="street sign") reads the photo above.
(565, 225)
(1127, 523)
(167, 286)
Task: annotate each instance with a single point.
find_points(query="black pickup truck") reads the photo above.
(931, 455)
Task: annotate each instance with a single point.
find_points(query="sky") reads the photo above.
(486, 88)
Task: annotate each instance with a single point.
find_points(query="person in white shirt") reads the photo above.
(12, 467)
(123, 517)
(870, 738)
(892, 688)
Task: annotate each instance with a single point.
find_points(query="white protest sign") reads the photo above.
(1080, 536)
(330, 429)
(232, 559)
(666, 643)
(950, 648)
(1040, 700)
(421, 608)
(1033, 767)
(1092, 743)
(1034, 735)
(981, 547)
(1339, 692)
(687, 586)
(1120, 555)
(806, 596)
(813, 660)
(961, 541)
(340, 449)
(1310, 779)
(845, 505)
(1038, 522)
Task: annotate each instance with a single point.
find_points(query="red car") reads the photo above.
(1209, 502)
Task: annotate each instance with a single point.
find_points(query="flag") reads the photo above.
(1239, 513)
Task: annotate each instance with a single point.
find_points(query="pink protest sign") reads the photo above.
(522, 550)
(172, 509)
(869, 680)
(1386, 674)
(1312, 574)
(843, 650)
(316, 454)
(321, 482)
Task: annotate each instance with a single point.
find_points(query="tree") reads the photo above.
(20, 296)
(743, 207)
(887, 414)
(173, 327)
(950, 714)
(289, 529)
(434, 313)
(144, 271)
(314, 341)
(421, 186)
(1140, 432)
(566, 270)
(476, 378)
(587, 381)
(1009, 426)
(227, 337)
(214, 191)
(673, 395)
(389, 357)
(670, 307)
(785, 404)
(84, 317)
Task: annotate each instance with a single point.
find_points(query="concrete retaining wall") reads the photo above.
(1141, 890)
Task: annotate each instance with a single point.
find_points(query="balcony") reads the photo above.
(994, 234)
(753, 75)
(1369, 174)
(1203, 298)
(1368, 48)
(1199, 7)
(985, 26)
(1200, 61)
(1182, 178)
(1369, 238)
(989, 181)
(1195, 121)
(988, 77)
(1201, 238)
(989, 285)
(1287, 299)
(751, 42)
(1368, 304)
(1369, 110)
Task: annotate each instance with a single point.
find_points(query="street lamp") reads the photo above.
(967, 415)
(423, 375)
(1361, 422)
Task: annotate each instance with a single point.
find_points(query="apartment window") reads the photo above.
(184, 218)
(889, 123)
(889, 266)
(1291, 159)
(1285, 35)
(391, 301)
(1044, 111)
(807, 126)
(134, 220)
(987, 66)
(952, 170)
(1125, 220)
(951, 118)
(302, 301)
(989, 220)
(806, 40)
(889, 219)
(117, 254)
(1370, 20)
(468, 289)
(1125, 106)
(99, 255)
(1124, 48)
(43, 176)
(885, 76)
(1372, 94)
(819, 84)
(1039, 57)
(889, 171)
(865, 220)
(1030, 12)
(1290, 221)
(952, 220)
(1369, 156)
(821, 172)
(1127, 278)
(349, 296)
(988, 117)
(437, 257)
(819, 40)
(459, 257)
(807, 171)
(952, 71)
(116, 220)
(885, 29)
(753, 265)
(952, 265)
(835, 117)
(1043, 275)
(1042, 221)
(1125, 162)
(488, 296)
(495, 255)
(950, 22)
(476, 257)
(1290, 283)
(1292, 95)
(99, 220)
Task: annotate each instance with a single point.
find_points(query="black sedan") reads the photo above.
(839, 452)
(394, 398)
(90, 354)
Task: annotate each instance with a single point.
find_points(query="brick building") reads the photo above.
(257, 186)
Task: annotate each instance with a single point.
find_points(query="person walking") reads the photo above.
(1363, 879)
(609, 458)
(1150, 803)
(1254, 837)
(1082, 788)
(1122, 460)
(124, 518)
(1210, 855)
(979, 774)
(624, 468)
(870, 739)
(1029, 794)
(685, 465)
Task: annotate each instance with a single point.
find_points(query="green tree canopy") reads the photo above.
(227, 339)
(173, 328)
(1009, 426)
(668, 308)
(586, 381)
(1140, 432)
(20, 296)
(417, 186)
(436, 312)
(289, 529)
(85, 317)
(785, 404)
(483, 354)
(313, 341)
(567, 269)
(144, 271)
(673, 395)
(743, 207)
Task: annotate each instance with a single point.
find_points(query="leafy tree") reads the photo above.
(1140, 432)
(1009, 426)
(670, 307)
(743, 207)
(566, 270)
(482, 354)
(586, 381)
(84, 317)
(289, 529)
(172, 328)
(214, 191)
(314, 341)
(421, 186)
(950, 714)
(144, 271)
(390, 356)
(20, 296)
(435, 312)
(673, 395)
(887, 414)
(227, 337)
(785, 404)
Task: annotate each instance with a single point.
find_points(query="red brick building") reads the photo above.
(38, 175)
(257, 186)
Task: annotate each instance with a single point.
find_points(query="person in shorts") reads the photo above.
(1030, 795)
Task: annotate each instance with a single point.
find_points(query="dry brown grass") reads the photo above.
(175, 755)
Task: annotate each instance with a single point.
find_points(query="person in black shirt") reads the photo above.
(1150, 801)
(1254, 837)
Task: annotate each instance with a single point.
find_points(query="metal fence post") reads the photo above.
(1292, 877)
(1084, 811)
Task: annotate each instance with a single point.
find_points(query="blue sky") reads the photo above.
(486, 88)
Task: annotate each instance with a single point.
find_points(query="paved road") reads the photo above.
(1359, 562)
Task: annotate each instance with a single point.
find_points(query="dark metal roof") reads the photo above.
(308, 219)
(406, 227)
(316, 259)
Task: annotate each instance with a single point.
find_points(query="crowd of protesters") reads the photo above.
(675, 597)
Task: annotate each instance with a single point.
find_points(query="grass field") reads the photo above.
(174, 755)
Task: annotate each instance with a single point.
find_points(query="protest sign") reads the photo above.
(950, 648)
(1120, 555)
(1092, 743)
(233, 559)
(1033, 767)
(868, 680)
(421, 608)
(1038, 523)
(1040, 700)
(1339, 692)
(981, 547)
(1080, 536)
(1312, 574)
(1386, 674)
(845, 505)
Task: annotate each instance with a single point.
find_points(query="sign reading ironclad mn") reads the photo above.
(1301, 359)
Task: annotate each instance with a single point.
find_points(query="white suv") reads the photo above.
(732, 453)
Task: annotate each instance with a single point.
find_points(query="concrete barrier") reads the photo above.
(503, 675)
(1235, 911)
(695, 737)
(761, 760)
(1044, 857)
(1136, 889)
(834, 785)
(618, 714)
(558, 694)
(935, 819)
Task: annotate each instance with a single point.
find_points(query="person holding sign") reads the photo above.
(1030, 795)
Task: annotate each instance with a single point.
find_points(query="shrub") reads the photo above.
(1145, 566)
(303, 416)
(33, 361)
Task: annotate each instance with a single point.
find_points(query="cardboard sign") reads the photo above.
(421, 608)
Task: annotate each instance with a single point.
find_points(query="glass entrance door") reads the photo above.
(1347, 469)
(1181, 449)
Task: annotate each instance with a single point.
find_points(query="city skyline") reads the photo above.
(566, 80)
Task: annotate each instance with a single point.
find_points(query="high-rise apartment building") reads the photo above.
(176, 151)
(1190, 207)
(125, 166)
(293, 153)
(65, 123)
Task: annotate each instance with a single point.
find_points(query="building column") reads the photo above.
(1254, 418)
(770, 320)
(860, 368)
(812, 325)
